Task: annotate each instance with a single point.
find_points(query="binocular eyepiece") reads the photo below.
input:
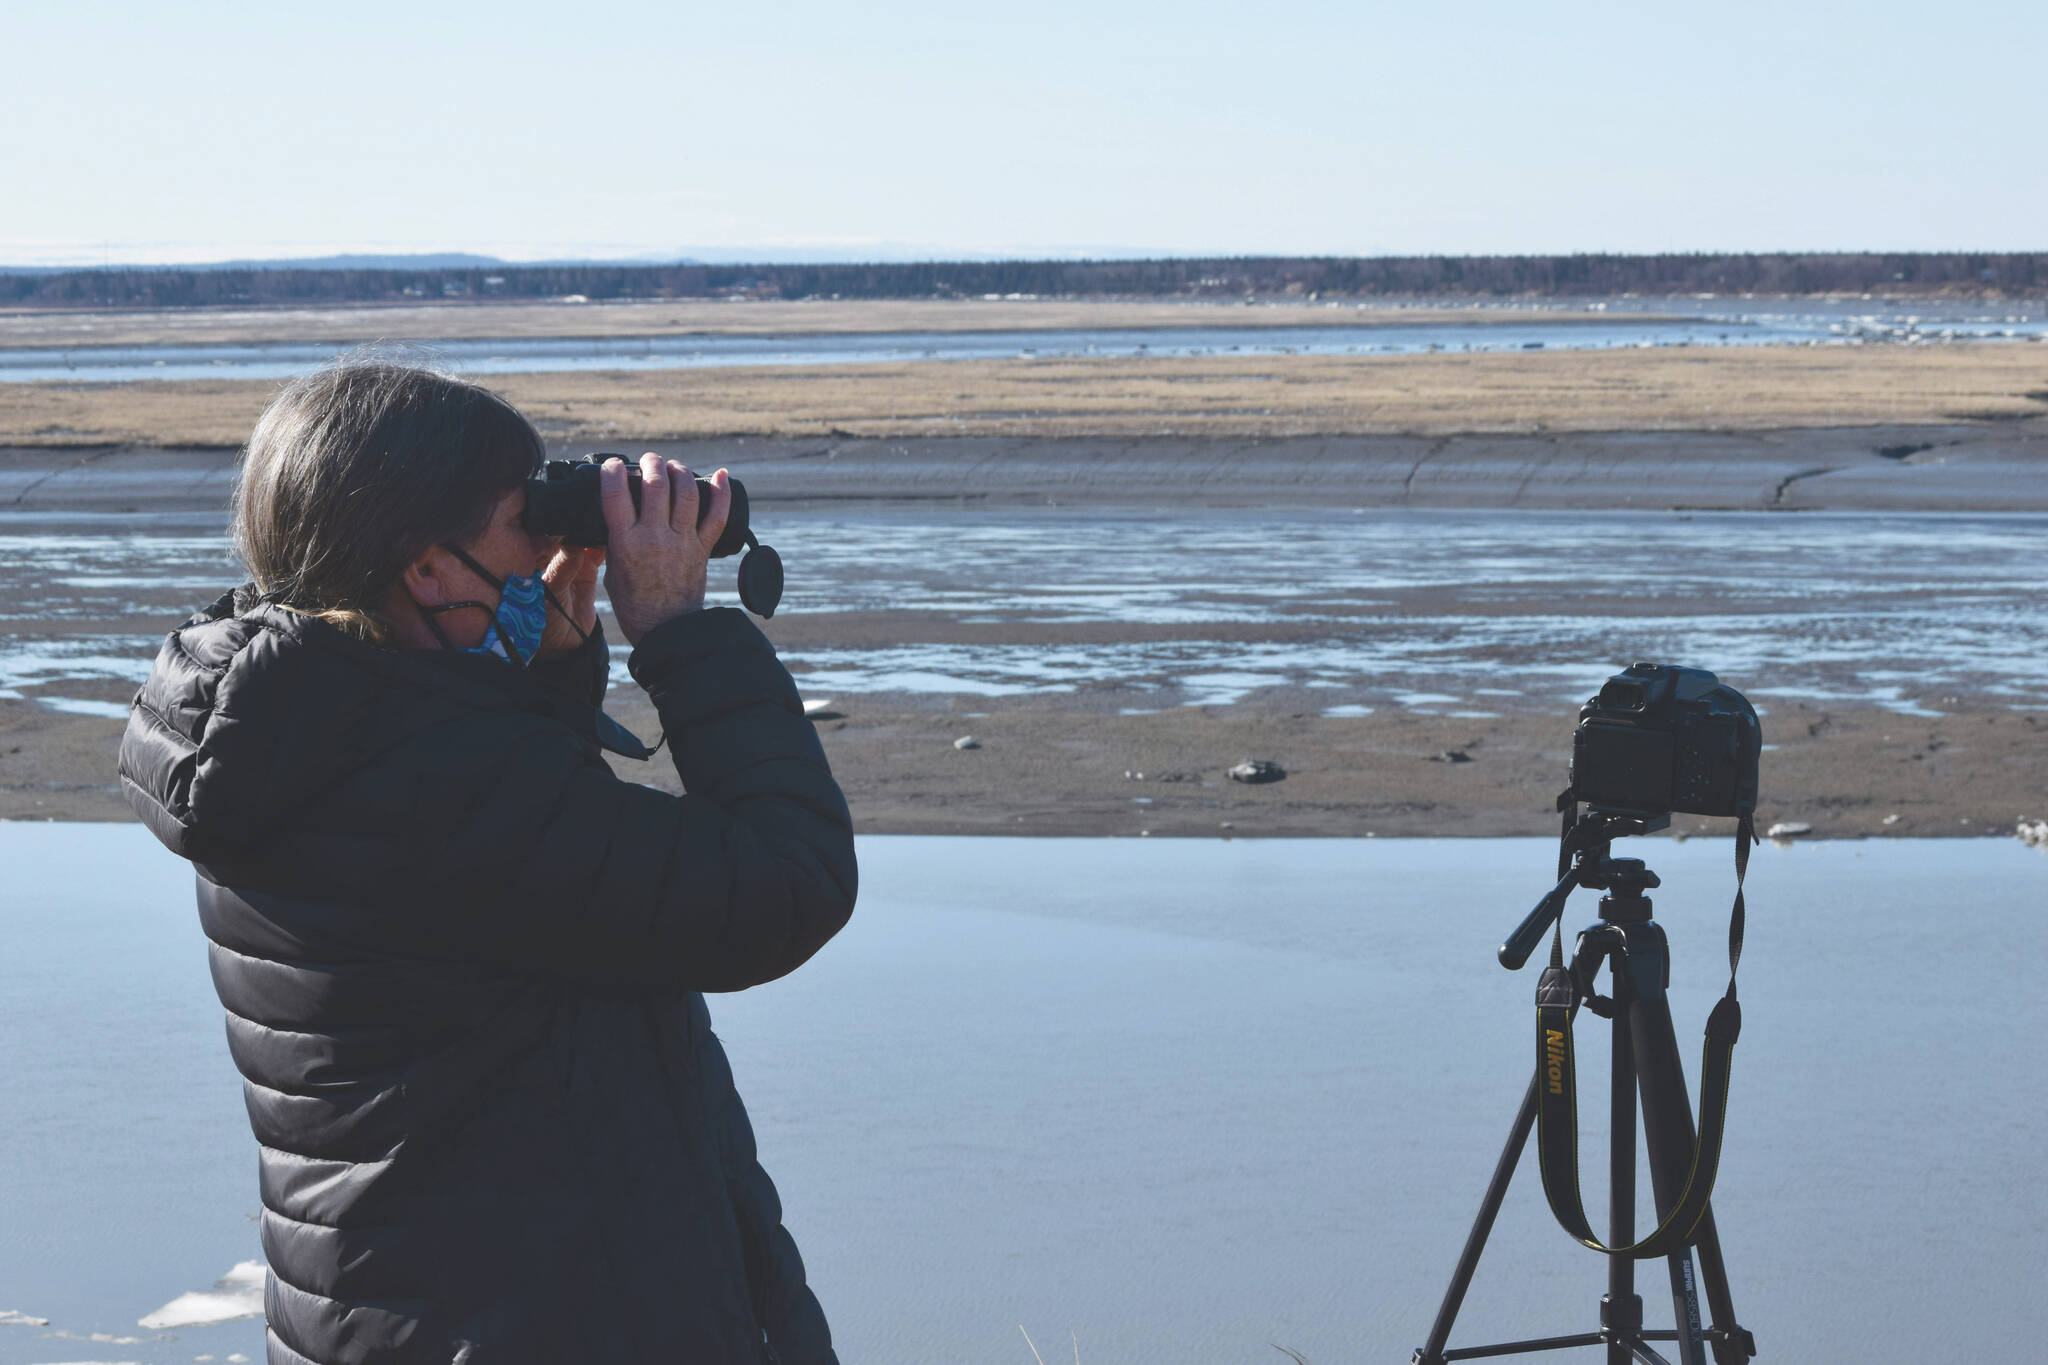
(566, 499)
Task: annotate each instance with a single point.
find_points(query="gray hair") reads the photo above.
(353, 471)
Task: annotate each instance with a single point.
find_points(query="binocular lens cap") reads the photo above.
(761, 581)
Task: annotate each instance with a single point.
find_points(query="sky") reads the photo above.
(611, 128)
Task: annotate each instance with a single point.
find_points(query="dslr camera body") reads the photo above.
(1660, 740)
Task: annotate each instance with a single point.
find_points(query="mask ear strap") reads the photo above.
(434, 625)
(555, 602)
(479, 570)
(487, 576)
(431, 614)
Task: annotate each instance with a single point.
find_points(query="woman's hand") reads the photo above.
(655, 570)
(571, 576)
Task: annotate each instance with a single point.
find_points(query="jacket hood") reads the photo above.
(251, 711)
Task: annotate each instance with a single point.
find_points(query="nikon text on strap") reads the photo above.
(1558, 994)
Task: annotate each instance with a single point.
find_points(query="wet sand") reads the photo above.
(1043, 769)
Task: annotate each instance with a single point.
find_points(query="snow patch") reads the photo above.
(238, 1294)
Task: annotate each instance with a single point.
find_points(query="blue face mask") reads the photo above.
(521, 618)
(519, 621)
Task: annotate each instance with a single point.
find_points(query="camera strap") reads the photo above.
(1558, 996)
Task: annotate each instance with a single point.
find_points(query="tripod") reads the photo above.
(1646, 1060)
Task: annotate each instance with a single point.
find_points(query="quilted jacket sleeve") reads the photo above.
(554, 864)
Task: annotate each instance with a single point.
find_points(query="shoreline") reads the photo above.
(1982, 467)
(1042, 770)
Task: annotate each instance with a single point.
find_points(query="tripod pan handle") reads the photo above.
(1530, 931)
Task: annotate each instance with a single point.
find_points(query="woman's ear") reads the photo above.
(431, 581)
(427, 579)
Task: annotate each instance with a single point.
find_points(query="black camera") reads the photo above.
(566, 499)
(1660, 740)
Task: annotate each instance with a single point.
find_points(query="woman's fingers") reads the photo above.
(616, 497)
(560, 574)
(572, 573)
(654, 490)
(713, 524)
(656, 568)
(683, 513)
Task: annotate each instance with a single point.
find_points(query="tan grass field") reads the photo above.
(463, 321)
(1671, 389)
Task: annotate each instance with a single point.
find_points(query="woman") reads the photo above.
(461, 959)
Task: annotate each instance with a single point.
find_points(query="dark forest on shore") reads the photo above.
(1905, 274)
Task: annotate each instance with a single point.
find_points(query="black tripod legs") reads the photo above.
(1432, 1353)
(1669, 1136)
(1646, 1062)
(1630, 1039)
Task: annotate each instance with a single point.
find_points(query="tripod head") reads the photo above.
(1621, 878)
(1587, 849)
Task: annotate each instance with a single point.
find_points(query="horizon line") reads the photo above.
(898, 255)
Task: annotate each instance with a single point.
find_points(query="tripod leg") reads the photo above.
(1475, 1241)
(1732, 1345)
(1621, 1312)
(1668, 1132)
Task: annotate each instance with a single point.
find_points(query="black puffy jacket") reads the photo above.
(461, 962)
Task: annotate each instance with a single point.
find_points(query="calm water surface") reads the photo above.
(1182, 1099)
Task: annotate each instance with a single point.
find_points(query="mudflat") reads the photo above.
(1041, 768)
(1958, 428)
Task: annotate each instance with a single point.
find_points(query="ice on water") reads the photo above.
(237, 1294)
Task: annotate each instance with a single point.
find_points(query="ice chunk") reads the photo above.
(238, 1294)
(14, 1317)
(76, 706)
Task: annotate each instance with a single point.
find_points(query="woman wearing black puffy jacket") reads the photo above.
(462, 961)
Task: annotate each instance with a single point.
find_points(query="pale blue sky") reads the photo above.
(600, 127)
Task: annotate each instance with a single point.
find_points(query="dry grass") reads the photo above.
(463, 321)
(1751, 388)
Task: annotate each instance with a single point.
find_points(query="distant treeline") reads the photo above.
(1323, 276)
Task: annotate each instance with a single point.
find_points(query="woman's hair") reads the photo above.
(353, 471)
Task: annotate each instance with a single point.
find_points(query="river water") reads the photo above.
(1325, 610)
(1179, 1100)
(1351, 331)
